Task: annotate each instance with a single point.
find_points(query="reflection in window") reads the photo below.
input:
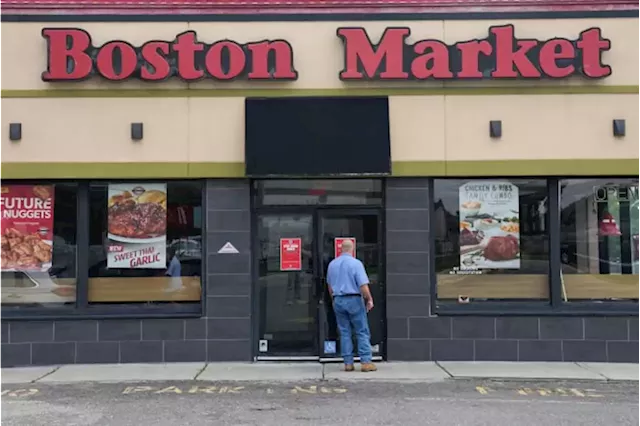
(492, 240)
(599, 239)
(145, 242)
(39, 244)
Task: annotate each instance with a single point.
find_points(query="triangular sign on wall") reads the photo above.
(228, 248)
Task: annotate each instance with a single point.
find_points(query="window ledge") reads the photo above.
(104, 312)
(531, 309)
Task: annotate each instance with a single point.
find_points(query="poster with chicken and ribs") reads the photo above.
(137, 226)
(489, 225)
(27, 227)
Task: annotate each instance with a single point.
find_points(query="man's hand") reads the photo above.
(369, 305)
(366, 295)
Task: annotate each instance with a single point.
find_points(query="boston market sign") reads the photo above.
(71, 56)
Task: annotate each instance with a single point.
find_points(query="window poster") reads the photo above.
(290, 254)
(489, 225)
(137, 226)
(27, 227)
(337, 245)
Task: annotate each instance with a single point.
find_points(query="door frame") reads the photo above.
(322, 313)
(317, 212)
(256, 314)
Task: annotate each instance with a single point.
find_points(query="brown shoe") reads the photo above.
(368, 366)
(348, 367)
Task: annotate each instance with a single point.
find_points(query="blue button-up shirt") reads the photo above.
(346, 274)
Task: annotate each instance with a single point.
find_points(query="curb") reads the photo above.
(369, 379)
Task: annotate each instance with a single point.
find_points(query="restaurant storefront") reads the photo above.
(173, 190)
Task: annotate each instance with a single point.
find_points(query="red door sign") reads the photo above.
(337, 245)
(290, 254)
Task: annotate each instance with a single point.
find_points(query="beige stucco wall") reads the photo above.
(425, 127)
(98, 130)
(542, 127)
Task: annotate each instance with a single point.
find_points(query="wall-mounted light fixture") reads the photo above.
(15, 131)
(136, 131)
(495, 128)
(619, 127)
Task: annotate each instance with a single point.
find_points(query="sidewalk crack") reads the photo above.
(579, 364)
(443, 369)
(47, 374)
(206, 364)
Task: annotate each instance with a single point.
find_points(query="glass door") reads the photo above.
(365, 227)
(295, 313)
(287, 289)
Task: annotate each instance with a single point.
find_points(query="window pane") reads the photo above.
(146, 242)
(39, 244)
(492, 240)
(319, 191)
(599, 239)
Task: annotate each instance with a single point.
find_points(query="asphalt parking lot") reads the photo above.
(452, 402)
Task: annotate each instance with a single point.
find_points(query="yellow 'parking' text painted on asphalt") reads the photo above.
(313, 390)
(219, 389)
(203, 389)
(566, 392)
(19, 393)
(230, 389)
(174, 390)
(134, 389)
(170, 389)
(483, 390)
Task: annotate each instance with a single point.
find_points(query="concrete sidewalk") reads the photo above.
(297, 372)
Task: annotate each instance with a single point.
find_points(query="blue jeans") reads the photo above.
(352, 314)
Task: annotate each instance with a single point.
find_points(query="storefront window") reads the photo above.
(492, 239)
(599, 239)
(145, 242)
(38, 244)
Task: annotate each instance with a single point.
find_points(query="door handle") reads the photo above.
(314, 290)
(319, 288)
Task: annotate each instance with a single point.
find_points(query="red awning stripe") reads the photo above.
(471, 5)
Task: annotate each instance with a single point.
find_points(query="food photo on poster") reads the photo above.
(137, 226)
(27, 227)
(489, 225)
(28, 275)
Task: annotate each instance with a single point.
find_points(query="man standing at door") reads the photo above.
(349, 288)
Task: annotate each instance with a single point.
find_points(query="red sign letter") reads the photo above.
(471, 51)
(358, 50)
(592, 45)
(213, 60)
(283, 54)
(186, 46)
(553, 50)
(105, 60)
(507, 59)
(59, 53)
(434, 64)
(152, 52)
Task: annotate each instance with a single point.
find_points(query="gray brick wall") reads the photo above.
(224, 334)
(228, 314)
(407, 240)
(419, 337)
